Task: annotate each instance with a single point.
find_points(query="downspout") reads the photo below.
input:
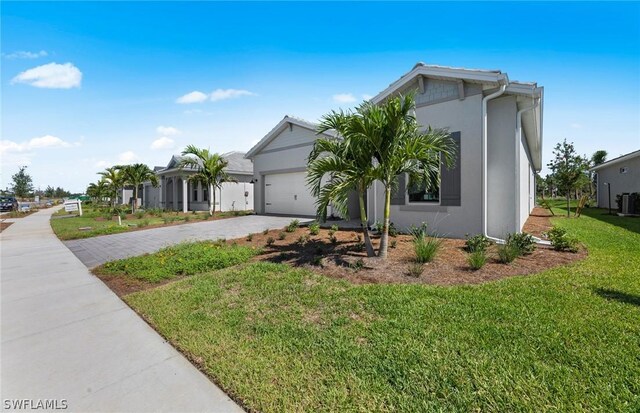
(503, 82)
(536, 101)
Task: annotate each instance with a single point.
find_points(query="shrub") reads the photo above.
(314, 228)
(187, 218)
(143, 223)
(331, 232)
(507, 253)
(393, 243)
(335, 227)
(561, 241)
(270, 241)
(522, 241)
(140, 214)
(333, 239)
(293, 225)
(477, 259)
(415, 269)
(266, 231)
(317, 261)
(477, 242)
(282, 235)
(419, 231)
(360, 246)
(426, 248)
(357, 265)
(250, 237)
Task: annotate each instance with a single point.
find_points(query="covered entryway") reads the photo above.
(287, 193)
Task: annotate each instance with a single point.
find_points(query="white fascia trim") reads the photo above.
(441, 72)
(278, 129)
(615, 161)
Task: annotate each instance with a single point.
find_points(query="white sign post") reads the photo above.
(73, 205)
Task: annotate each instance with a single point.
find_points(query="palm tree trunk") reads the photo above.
(384, 239)
(212, 200)
(364, 224)
(135, 199)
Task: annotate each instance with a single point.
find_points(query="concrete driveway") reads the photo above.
(69, 339)
(98, 250)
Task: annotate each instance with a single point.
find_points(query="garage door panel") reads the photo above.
(287, 193)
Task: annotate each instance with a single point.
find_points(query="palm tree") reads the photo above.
(348, 166)
(98, 191)
(136, 175)
(210, 170)
(115, 178)
(399, 147)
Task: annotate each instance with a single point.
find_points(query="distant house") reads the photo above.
(496, 124)
(176, 192)
(622, 173)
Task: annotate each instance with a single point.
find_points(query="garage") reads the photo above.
(287, 193)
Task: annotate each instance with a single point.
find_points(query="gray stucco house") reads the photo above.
(622, 173)
(176, 192)
(497, 124)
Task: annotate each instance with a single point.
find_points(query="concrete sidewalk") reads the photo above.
(98, 250)
(65, 335)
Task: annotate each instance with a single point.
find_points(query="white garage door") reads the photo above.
(288, 194)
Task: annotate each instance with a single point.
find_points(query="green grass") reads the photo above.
(182, 259)
(284, 339)
(69, 228)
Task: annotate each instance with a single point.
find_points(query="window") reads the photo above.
(205, 194)
(195, 193)
(419, 193)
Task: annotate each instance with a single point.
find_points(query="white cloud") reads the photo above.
(224, 94)
(163, 143)
(367, 97)
(51, 76)
(576, 125)
(344, 98)
(21, 54)
(47, 141)
(128, 157)
(193, 97)
(168, 130)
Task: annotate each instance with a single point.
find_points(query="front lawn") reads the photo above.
(278, 338)
(98, 221)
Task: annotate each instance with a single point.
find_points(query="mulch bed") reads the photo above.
(340, 260)
(5, 225)
(538, 222)
(126, 285)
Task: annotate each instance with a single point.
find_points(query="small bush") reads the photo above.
(140, 214)
(293, 225)
(426, 248)
(359, 246)
(250, 237)
(419, 231)
(302, 239)
(270, 241)
(282, 235)
(331, 232)
(507, 253)
(187, 218)
(317, 261)
(415, 269)
(357, 265)
(477, 259)
(522, 241)
(144, 223)
(561, 241)
(266, 231)
(393, 243)
(333, 239)
(379, 226)
(477, 242)
(314, 228)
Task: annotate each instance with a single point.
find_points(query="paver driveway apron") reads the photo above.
(65, 335)
(98, 250)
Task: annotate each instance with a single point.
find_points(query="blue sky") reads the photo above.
(86, 85)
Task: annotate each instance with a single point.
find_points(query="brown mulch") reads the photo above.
(450, 267)
(126, 285)
(5, 225)
(538, 222)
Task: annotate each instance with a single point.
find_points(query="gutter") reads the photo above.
(503, 81)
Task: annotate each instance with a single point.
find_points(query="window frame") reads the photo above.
(433, 203)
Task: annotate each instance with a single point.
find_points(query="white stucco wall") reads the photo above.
(620, 182)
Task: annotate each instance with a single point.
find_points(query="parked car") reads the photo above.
(8, 203)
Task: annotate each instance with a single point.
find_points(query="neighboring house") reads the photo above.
(622, 173)
(125, 195)
(176, 192)
(497, 125)
(280, 169)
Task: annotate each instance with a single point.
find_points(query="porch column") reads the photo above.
(174, 200)
(185, 195)
(200, 194)
(160, 190)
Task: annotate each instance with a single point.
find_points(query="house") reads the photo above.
(176, 192)
(496, 123)
(617, 176)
